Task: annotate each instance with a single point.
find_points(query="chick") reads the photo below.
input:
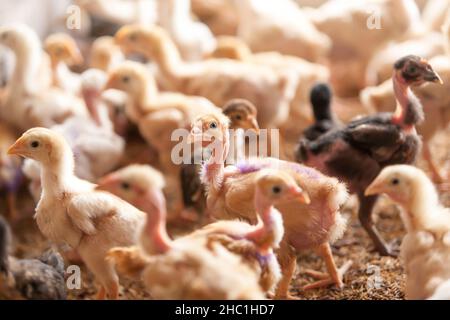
(185, 268)
(71, 211)
(64, 53)
(320, 97)
(425, 250)
(40, 278)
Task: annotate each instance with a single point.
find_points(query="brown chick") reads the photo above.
(425, 250)
(219, 80)
(230, 193)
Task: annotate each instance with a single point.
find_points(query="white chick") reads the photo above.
(97, 148)
(71, 211)
(425, 250)
(193, 38)
(30, 99)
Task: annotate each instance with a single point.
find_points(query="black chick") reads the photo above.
(357, 152)
(324, 120)
(41, 278)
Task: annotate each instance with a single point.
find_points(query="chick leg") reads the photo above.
(288, 262)
(334, 276)
(104, 272)
(366, 205)
(435, 173)
(101, 294)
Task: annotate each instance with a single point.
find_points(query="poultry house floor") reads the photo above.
(370, 277)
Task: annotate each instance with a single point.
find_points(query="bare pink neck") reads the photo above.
(408, 111)
(155, 228)
(214, 168)
(263, 233)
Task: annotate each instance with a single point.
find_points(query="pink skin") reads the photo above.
(402, 90)
(91, 98)
(154, 204)
(267, 214)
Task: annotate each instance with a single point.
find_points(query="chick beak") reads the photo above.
(376, 187)
(18, 148)
(111, 83)
(77, 57)
(107, 182)
(300, 195)
(195, 135)
(254, 124)
(432, 76)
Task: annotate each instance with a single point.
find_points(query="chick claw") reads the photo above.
(326, 280)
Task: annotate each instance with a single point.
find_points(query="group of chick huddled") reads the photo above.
(99, 147)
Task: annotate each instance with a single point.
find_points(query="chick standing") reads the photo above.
(71, 211)
(357, 152)
(425, 250)
(230, 192)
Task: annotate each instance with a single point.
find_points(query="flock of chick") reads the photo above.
(255, 214)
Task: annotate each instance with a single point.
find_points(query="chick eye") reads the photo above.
(132, 37)
(395, 181)
(412, 69)
(125, 79)
(238, 117)
(213, 125)
(125, 185)
(276, 189)
(34, 144)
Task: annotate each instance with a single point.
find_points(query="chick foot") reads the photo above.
(287, 296)
(326, 280)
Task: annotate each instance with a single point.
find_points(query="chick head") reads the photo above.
(414, 70)
(277, 186)
(62, 48)
(140, 185)
(209, 128)
(140, 39)
(242, 114)
(43, 145)
(129, 77)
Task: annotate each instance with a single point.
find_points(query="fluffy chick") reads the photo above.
(425, 250)
(71, 211)
(185, 268)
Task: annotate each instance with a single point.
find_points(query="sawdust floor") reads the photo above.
(370, 277)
